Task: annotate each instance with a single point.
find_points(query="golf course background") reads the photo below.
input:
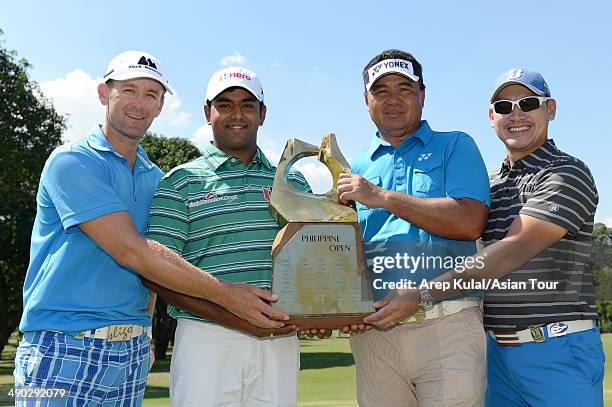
(327, 375)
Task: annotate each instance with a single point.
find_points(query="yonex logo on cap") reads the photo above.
(386, 66)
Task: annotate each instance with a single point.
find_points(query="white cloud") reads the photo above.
(234, 59)
(317, 175)
(202, 136)
(75, 96)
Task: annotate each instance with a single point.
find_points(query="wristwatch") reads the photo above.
(427, 301)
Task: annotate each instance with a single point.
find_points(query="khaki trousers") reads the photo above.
(438, 363)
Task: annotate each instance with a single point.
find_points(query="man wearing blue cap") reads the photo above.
(544, 347)
(86, 315)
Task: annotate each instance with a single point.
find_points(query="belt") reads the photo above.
(442, 309)
(114, 333)
(541, 332)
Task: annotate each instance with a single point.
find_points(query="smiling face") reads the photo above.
(395, 104)
(522, 133)
(235, 115)
(131, 106)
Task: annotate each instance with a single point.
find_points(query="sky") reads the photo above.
(309, 57)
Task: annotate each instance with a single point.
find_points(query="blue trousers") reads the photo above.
(564, 371)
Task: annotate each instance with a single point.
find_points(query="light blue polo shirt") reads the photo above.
(428, 164)
(71, 283)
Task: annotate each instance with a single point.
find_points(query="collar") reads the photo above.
(424, 134)
(98, 141)
(536, 159)
(216, 158)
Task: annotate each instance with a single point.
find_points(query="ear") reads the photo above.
(552, 109)
(422, 97)
(365, 98)
(161, 104)
(491, 113)
(103, 92)
(207, 113)
(262, 114)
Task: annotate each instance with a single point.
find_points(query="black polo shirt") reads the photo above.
(551, 185)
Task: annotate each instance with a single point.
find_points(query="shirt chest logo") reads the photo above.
(267, 192)
(210, 198)
(424, 156)
(553, 207)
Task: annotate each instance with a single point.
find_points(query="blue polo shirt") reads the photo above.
(71, 283)
(428, 164)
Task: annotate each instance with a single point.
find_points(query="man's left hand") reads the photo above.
(394, 308)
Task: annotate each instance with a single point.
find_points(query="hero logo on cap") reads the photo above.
(136, 64)
(387, 66)
(515, 74)
(234, 76)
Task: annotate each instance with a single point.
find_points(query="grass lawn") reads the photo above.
(327, 376)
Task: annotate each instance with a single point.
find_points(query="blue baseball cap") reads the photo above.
(530, 79)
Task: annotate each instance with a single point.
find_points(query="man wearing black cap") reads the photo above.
(544, 347)
(416, 188)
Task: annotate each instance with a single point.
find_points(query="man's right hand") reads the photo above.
(253, 305)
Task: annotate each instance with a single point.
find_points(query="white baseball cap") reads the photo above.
(136, 64)
(234, 76)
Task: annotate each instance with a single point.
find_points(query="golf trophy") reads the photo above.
(319, 266)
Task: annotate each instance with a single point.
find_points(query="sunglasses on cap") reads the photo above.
(526, 104)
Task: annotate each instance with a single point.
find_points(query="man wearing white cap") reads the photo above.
(85, 317)
(544, 347)
(214, 212)
(421, 194)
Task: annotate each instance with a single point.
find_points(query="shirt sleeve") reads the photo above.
(169, 217)
(298, 180)
(565, 195)
(466, 175)
(80, 188)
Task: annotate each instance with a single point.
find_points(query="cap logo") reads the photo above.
(386, 66)
(238, 75)
(515, 74)
(146, 61)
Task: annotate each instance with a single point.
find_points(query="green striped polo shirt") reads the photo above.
(213, 211)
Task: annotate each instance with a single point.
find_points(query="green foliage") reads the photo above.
(29, 130)
(168, 152)
(604, 309)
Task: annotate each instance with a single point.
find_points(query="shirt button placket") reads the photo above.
(399, 174)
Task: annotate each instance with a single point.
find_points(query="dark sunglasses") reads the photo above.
(526, 104)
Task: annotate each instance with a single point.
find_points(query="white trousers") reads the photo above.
(216, 366)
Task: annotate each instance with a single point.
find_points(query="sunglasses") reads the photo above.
(526, 104)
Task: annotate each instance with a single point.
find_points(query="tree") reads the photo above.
(30, 129)
(601, 261)
(167, 153)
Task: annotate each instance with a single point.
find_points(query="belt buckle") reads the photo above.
(537, 333)
(117, 333)
(416, 318)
